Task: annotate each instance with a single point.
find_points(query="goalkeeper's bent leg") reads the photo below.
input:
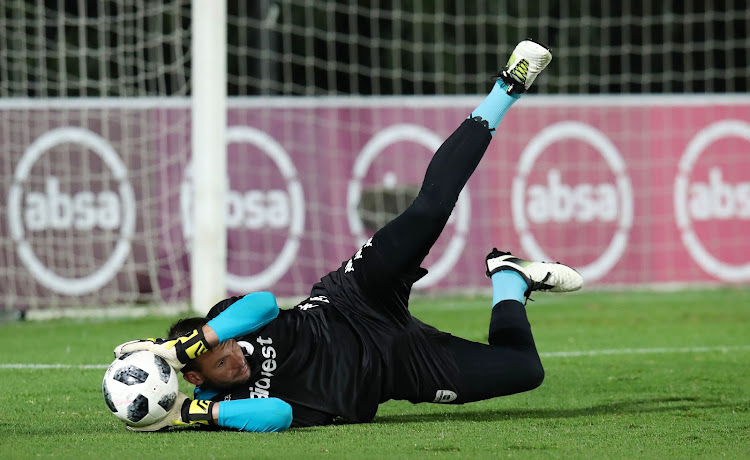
(510, 363)
(507, 366)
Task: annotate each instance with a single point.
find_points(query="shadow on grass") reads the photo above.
(639, 406)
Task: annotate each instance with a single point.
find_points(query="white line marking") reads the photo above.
(53, 366)
(643, 351)
(554, 354)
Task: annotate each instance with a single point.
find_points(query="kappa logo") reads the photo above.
(445, 396)
(717, 199)
(556, 202)
(459, 219)
(257, 209)
(358, 255)
(313, 302)
(61, 207)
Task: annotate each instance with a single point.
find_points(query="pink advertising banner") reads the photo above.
(632, 191)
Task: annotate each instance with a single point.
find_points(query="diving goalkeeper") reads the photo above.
(353, 344)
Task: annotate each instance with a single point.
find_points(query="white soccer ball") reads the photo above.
(140, 388)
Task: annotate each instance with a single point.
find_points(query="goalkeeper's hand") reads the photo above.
(185, 412)
(176, 352)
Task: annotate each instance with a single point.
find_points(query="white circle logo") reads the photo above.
(720, 200)
(78, 210)
(292, 209)
(580, 197)
(462, 211)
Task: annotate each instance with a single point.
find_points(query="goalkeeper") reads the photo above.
(353, 343)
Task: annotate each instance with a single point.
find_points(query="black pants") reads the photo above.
(390, 265)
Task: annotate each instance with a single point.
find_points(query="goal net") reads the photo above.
(334, 111)
(89, 146)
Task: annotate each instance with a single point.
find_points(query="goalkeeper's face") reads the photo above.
(222, 367)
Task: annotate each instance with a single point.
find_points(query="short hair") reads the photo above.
(184, 327)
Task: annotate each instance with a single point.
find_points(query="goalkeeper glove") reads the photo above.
(185, 412)
(176, 352)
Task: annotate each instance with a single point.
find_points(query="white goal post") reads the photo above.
(209, 163)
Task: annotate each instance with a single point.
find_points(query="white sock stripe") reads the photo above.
(554, 354)
(505, 263)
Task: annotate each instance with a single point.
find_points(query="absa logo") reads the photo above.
(257, 203)
(64, 202)
(568, 204)
(712, 199)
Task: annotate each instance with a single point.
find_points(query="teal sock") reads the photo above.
(495, 105)
(508, 285)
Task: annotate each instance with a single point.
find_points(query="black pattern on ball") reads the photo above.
(138, 409)
(164, 369)
(131, 375)
(167, 401)
(108, 397)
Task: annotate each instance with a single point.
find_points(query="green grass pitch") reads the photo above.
(628, 375)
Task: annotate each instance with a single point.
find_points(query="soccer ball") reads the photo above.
(140, 388)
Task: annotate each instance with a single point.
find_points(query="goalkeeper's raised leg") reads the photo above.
(403, 244)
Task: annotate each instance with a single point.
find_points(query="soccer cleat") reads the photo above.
(526, 62)
(540, 276)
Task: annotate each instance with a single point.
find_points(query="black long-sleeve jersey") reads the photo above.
(336, 354)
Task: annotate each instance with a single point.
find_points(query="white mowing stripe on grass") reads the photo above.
(558, 354)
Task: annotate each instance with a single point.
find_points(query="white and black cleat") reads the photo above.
(526, 62)
(540, 276)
